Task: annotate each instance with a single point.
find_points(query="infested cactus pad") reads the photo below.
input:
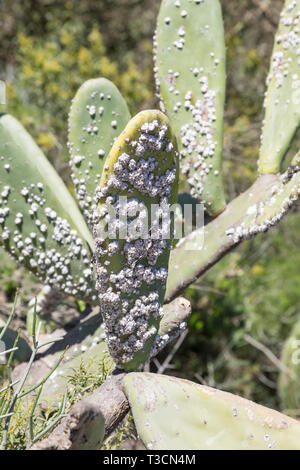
(175, 414)
(98, 115)
(140, 173)
(270, 209)
(40, 224)
(189, 53)
(282, 100)
(173, 323)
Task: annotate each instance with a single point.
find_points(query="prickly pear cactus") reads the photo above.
(132, 266)
(282, 100)
(40, 223)
(172, 414)
(289, 379)
(98, 115)
(189, 53)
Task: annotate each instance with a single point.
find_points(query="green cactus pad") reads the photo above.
(174, 321)
(40, 223)
(256, 210)
(176, 313)
(141, 170)
(190, 75)
(98, 115)
(175, 414)
(282, 116)
(289, 378)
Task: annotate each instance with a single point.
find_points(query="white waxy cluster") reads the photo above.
(194, 104)
(266, 214)
(163, 340)
(197, 137)
(87, 155)
(38, 238)
(288, 44)
(132, 272)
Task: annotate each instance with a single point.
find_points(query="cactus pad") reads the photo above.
(98, 115)
(175, 414)
(282, 100)
(174, 321)
(141, 170)
(40, 223)
(189, 53)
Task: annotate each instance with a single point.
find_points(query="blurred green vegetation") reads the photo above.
(48, 48)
